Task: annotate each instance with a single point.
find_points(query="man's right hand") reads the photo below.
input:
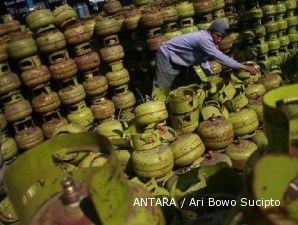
(251, 69)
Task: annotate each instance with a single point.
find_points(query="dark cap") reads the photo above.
(219, 26)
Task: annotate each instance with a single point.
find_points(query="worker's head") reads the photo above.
(218, 30)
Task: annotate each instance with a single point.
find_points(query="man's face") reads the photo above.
(217, 37)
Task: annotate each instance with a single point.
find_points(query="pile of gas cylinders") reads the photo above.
(63, 75)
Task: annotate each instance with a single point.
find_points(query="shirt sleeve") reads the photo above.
(210, 49)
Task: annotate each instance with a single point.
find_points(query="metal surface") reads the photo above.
(113, 198)
(33, 178)
(277, 124)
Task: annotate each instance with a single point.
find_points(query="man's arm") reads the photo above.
(210, 49)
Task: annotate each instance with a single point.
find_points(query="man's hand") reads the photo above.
(251, 69)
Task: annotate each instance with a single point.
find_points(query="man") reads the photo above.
(193, 49)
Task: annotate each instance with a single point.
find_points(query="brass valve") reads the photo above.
(70, 191)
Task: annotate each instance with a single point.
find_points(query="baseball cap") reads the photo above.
(219, 26)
